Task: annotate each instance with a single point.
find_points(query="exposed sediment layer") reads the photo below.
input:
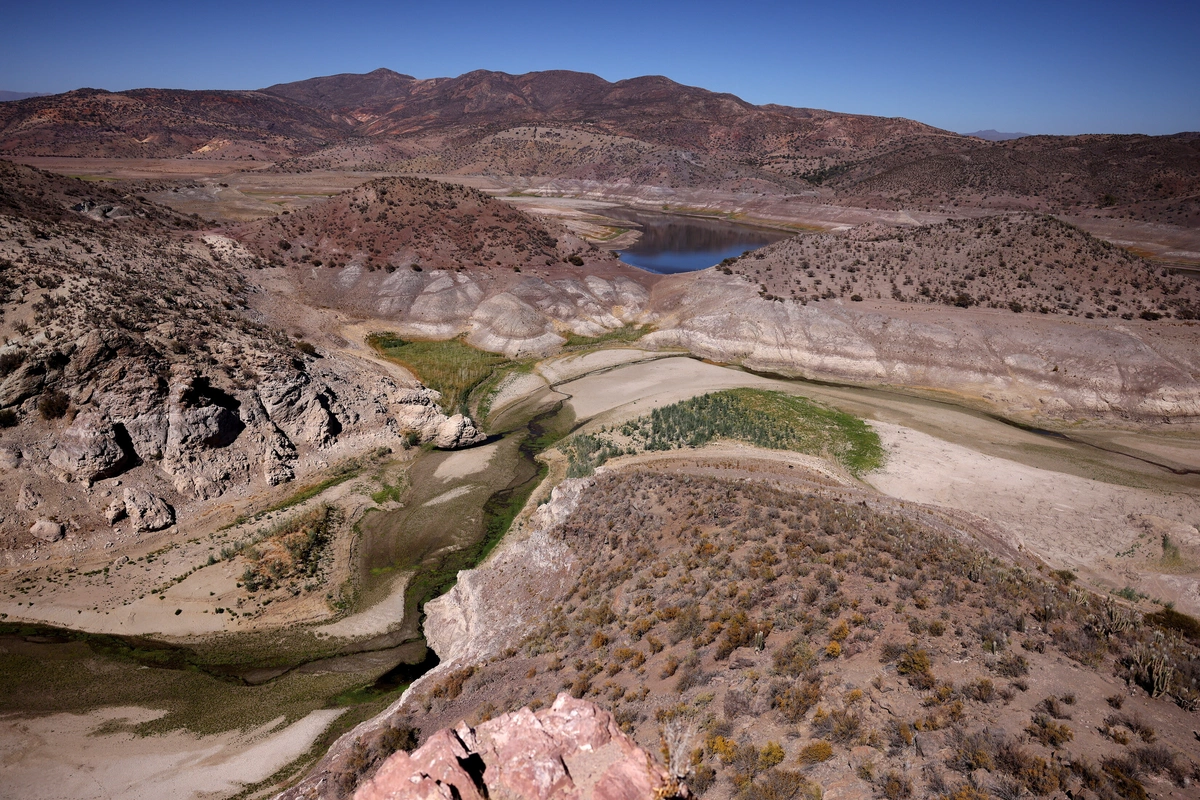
(1023, 365)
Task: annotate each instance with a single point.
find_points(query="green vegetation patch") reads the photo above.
(78, 674)
(628, 333)
(290, 551)
(451, 367)
(773, 420)
(1173, 620)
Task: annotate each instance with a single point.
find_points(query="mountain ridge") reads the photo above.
(535, 128)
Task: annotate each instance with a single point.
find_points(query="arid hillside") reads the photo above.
(130, 353)
(1022, 262)
(440, 260)
(780, 636)
(416, 224)
(647, 131)
(1064, 172)
(164, 123)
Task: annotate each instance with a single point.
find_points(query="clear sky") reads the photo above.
(1037, 67)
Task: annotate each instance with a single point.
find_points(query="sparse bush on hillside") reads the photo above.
(1020, 262)
(291, 552)
(53, 404)
(691, 566)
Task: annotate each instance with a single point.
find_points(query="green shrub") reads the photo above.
(1174, 620)
(1048, 732)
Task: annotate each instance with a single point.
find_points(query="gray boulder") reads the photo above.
(48, 530)
(457, 431)
(149, 512)
(115, 512)
(28, 498)
(26, 381)
(10, 458)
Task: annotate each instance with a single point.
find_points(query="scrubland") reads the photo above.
(789, 639)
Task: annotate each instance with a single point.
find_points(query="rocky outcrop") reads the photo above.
(10, 458)
(489, 607)
(116, 511)
(21, 384)
(457, 431)
(28, 499)
(147, 511)
(161, 368)
(90, 450)
(571, 750)
(511, 314)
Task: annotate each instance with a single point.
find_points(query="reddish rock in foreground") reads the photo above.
(571, 750)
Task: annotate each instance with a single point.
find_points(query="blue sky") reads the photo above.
(1046, 67)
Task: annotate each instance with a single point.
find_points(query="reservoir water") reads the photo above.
(672, 243)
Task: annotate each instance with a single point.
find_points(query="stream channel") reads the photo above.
(445, 525)
(459, 504)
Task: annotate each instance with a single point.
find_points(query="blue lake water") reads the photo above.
(672, 243)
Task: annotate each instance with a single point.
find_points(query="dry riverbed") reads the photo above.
(1074, 506)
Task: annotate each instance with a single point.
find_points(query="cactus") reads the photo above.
(1153, 667)
(1111, 620)
(975, 571)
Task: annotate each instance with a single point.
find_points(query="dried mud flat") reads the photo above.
(88, 766)
(938, 456)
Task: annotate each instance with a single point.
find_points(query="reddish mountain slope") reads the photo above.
(163, 123)
(646, 131)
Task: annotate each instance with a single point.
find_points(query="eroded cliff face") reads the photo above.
(438, 260)
(573, 749)
(513, 314)
(1025, 365)
(137, 385)
(488, 610)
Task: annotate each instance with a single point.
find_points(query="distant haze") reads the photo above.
(996, 136)
(5, 96)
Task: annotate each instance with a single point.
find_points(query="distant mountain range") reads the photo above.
(7, 96)
(582, 131)
(996, 136)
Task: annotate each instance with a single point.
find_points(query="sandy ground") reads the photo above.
(515, 387)
(462, 463)
(565, 368)
(1066, 520)
(645, 386)
(738, 452)
(374, 621)
(176, 765)
(446, 497)
(585, 218)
